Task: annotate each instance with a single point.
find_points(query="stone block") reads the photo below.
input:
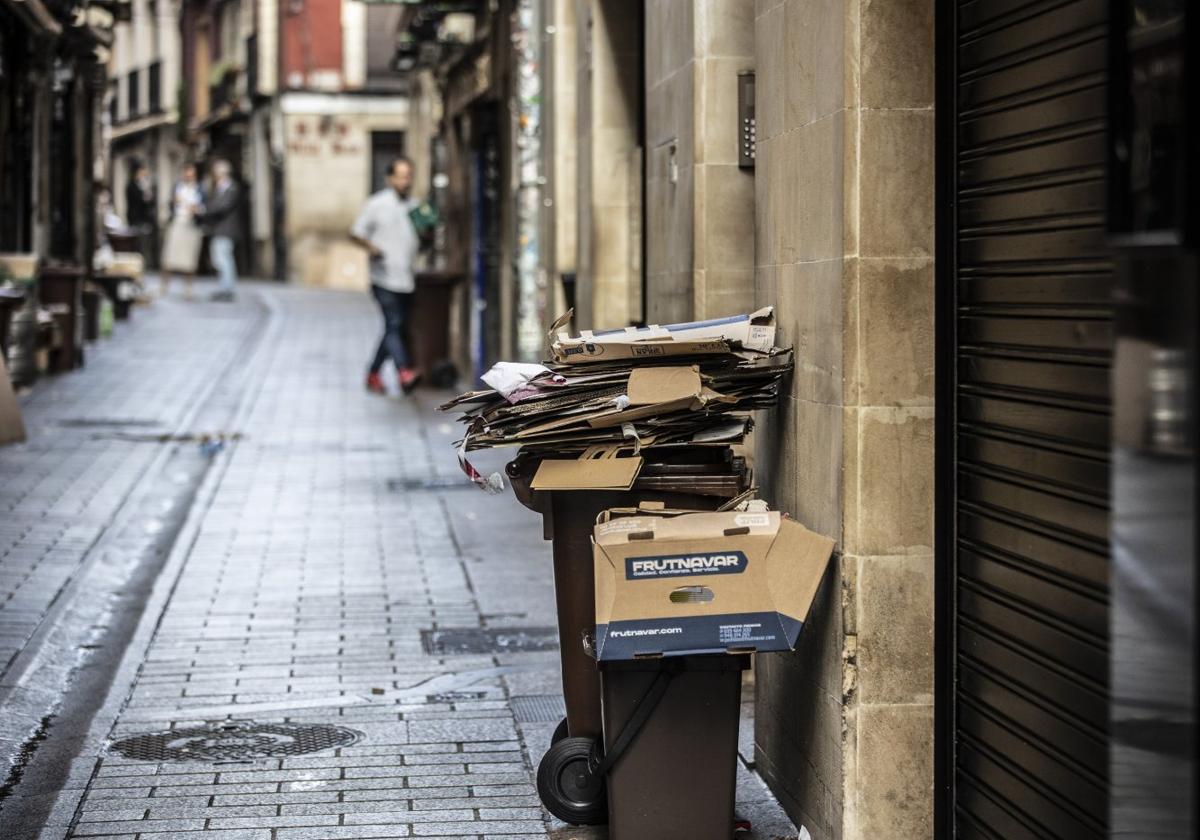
(808, 176)
(895, 629)
(770, 75)
(813, 54)
(726, 200)
(895, 483)
(717, 130)
(897, 53)
(766, 200)
(809, 317)
(895, 772)
(726, 27)
(892, 332)
(896, 184)
(670, 27)
(851, 199)
(613, 155)
(817, 454)
(724, 292)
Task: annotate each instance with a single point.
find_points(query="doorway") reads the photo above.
(386, 146)
(1024, 420)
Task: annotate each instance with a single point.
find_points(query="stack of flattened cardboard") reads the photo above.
(603, 398)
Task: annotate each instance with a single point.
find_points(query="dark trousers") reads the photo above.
(396, 307)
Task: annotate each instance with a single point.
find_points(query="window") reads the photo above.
(133, 92)
(154, 80)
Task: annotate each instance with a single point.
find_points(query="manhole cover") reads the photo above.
(452, 640)
(235, 740)
(538, 708)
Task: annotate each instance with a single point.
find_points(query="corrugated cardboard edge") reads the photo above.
(802, 579)
(12, 426)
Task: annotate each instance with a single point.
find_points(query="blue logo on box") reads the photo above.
(685, 565)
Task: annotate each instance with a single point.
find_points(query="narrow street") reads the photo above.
(215, 524)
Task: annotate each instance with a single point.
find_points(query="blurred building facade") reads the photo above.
(300, 97)
(53, 59)
(144, 101)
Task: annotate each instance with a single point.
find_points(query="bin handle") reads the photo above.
(641, 714)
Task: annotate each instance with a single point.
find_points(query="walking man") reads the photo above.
(222, 221)
(385, 229)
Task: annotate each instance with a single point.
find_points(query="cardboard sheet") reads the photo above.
(654, 385)
(667, 387)
(755, 331)
(596, 469)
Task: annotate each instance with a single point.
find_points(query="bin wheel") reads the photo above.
(567, 786)
(560, 732)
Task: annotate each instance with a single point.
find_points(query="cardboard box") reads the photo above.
(672, 583)
(12, 428)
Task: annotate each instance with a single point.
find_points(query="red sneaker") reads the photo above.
(375, 384)
(409, 379)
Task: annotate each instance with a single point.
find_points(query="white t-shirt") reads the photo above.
(385, 223)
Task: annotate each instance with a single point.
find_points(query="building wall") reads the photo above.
(267, 19)
(560, 251)
(609, 114)
(327, 143)
(700, 205)
(844, 245)
(151, 137)
(311, 45)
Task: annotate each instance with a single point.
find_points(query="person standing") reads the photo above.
(181, 249)
(221, 219)
(139, 207)
(385, 229)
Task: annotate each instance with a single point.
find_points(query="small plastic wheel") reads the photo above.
(560, 732)
(567, 787)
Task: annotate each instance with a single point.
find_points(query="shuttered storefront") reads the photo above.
(1026, 448)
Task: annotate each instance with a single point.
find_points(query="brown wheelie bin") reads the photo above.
(675, 775)
(701, 478)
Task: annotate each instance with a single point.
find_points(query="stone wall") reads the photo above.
(699, 204)
(327, 140)
(560, 150)
(844, 244)
(609, 108)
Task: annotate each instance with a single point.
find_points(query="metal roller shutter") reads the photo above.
(1031, 356)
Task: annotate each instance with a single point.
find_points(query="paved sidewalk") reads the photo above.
(63, 486)
(327, 549)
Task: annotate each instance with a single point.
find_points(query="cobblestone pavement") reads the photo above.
(326, 548)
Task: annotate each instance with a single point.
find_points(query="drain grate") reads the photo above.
(408, 485)
(235, 740)
(539, 708)
(204, 439)
(451, 640)
(106, 422)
